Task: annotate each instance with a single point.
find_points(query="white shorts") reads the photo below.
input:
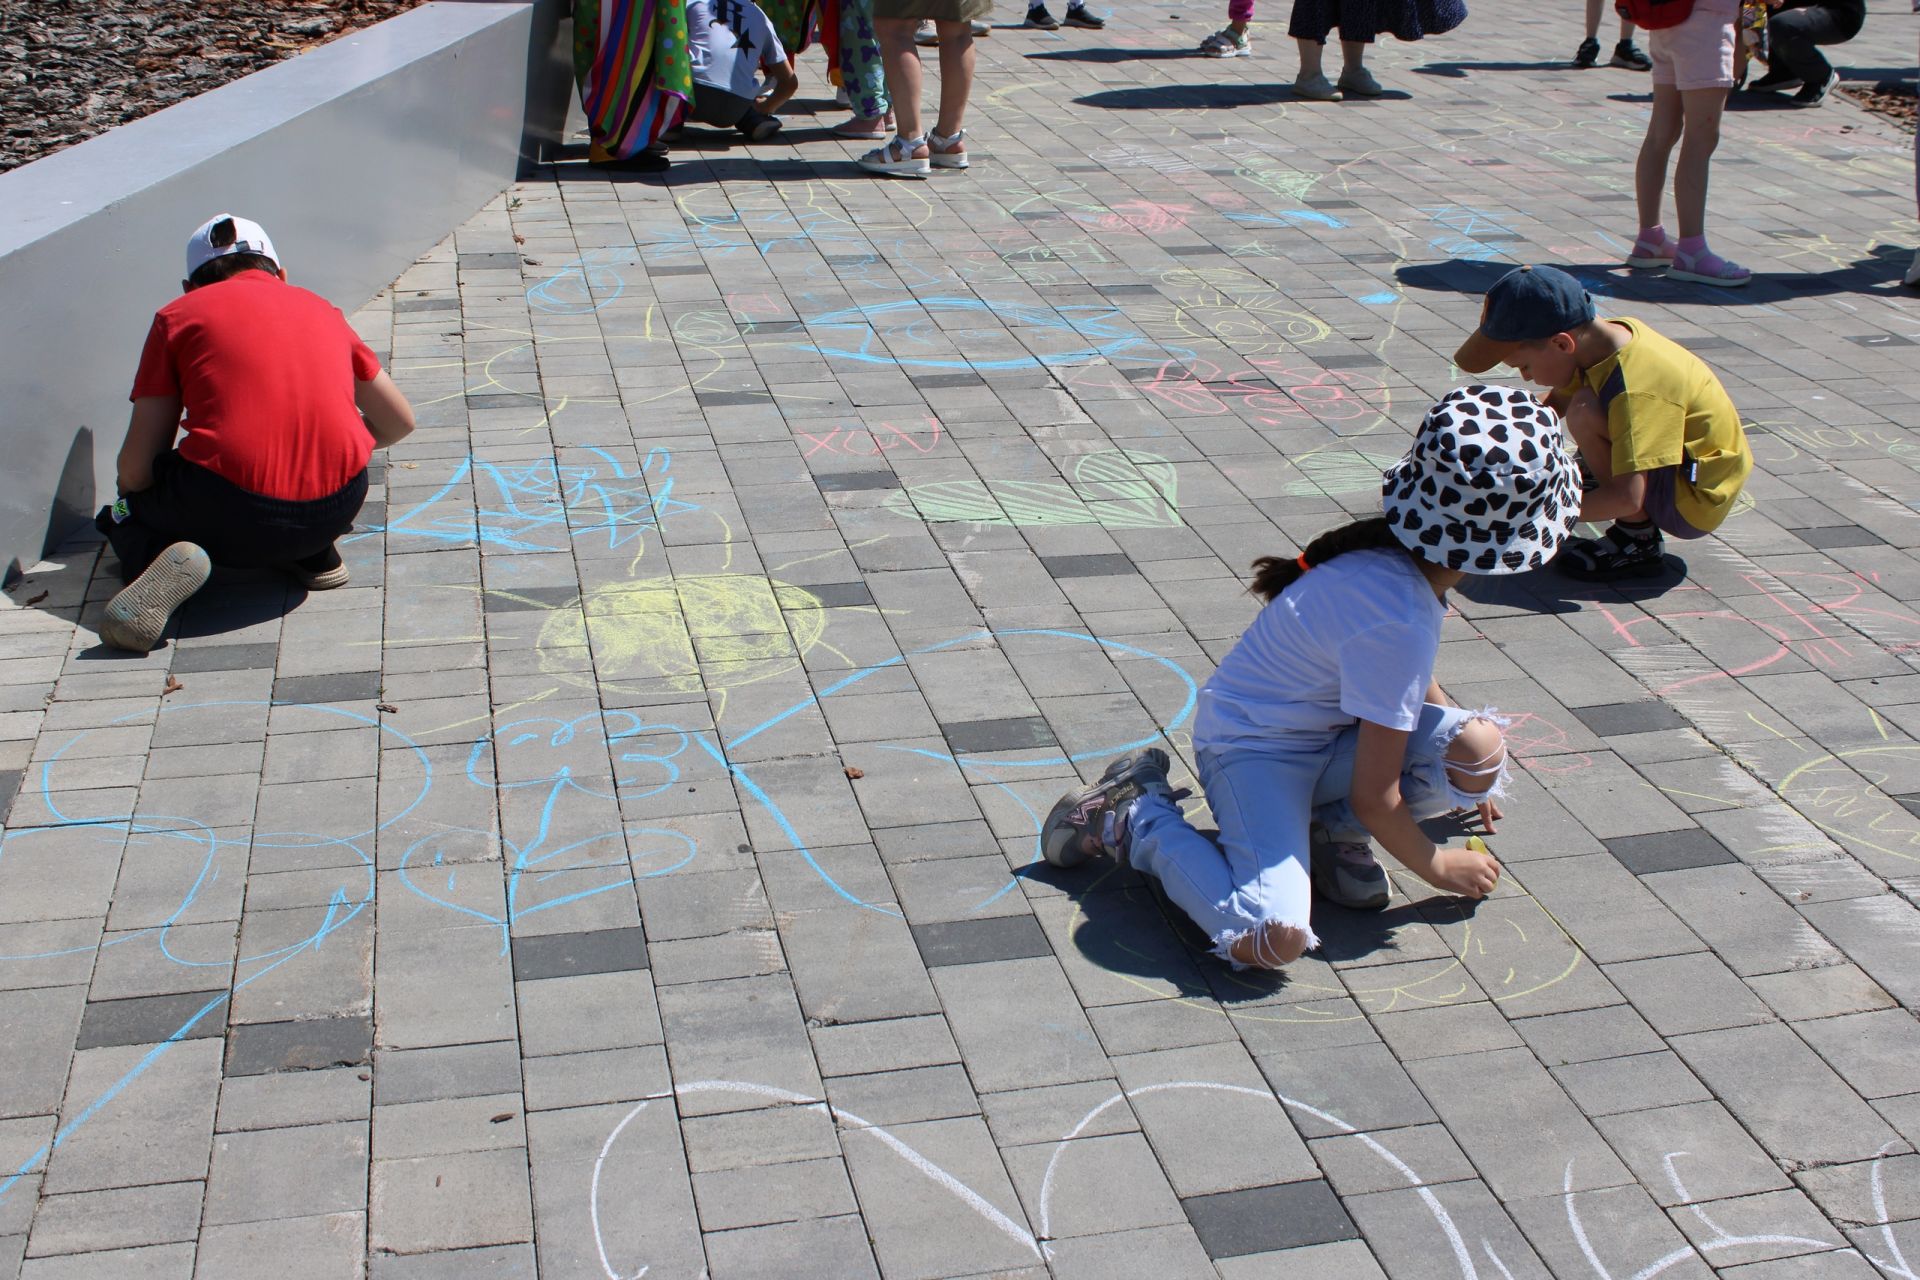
(1697, 54)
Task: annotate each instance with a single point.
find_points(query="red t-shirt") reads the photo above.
(266, 373)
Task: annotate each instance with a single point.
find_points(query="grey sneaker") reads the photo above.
(138, 612)
(1094, 819)
(1346, 873)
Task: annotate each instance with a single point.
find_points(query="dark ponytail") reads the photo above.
(1274, 574)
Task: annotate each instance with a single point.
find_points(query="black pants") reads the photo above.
(188, 503)
(724, 110)
(1796, 32)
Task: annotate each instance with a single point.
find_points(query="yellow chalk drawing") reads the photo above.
(650, 635)
(1117, 488)
(1338, 471)
(1290, 184)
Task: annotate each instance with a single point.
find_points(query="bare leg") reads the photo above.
(1593, 18)
(1310, 51)
(1650, 171)
(956, 76)
(1700, 134)
(1353, 55)
(902, 63)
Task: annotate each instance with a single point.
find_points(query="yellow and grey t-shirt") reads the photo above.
(1665, 408)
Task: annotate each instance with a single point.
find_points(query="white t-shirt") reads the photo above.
(728, 43)
(1354, 639)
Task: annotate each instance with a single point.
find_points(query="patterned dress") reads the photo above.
(630, 59)
(853, 53)
(794, 22)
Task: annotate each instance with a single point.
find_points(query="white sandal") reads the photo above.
(943, 158)
(896, 159)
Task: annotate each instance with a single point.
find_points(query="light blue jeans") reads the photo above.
(1264, 800)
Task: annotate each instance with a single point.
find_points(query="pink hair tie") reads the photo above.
(1302, 562)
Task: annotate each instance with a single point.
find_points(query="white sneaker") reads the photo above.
(1912, 278)
(1315, 88)
(137, 615)
(1358, 82)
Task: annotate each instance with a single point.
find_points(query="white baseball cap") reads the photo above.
(225, 234)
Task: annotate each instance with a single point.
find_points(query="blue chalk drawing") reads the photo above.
(1287, 218)
(885, 333)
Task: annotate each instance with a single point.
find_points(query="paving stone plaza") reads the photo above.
(633, 871)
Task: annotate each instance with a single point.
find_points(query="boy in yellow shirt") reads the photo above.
(1656, 430)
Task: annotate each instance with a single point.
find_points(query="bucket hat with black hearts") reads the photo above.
(1488, 486)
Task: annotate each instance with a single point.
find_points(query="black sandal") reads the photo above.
(1618, 555)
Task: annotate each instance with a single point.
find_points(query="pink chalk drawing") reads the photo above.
(1543, 744)
(1825, 619)
(1146, 216)
(868, 442)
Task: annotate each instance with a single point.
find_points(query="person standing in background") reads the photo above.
(1626, 53)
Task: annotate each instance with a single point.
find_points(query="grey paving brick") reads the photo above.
(260, 1047)
(124, 1218)
(151, 1262)
(307, 1248)
(758, 1195)
(646, 1204)
(287, 1173)
(1720, 1160)
(820, 1247)
(588, 1012)
(742, 1029)
(501, 1262)
(164, 1137)
(290, 1098)
(458, 1201)
(1607, 1086)
(1776, 1224)
(1794, 1103)
(1678, 994)
(1172, 1252)
(919, 1228)
(1516, 1123)
(1404, 1231)
(1621, 1226)
(590, 1079)
(1018, 1025)
(451, 1071)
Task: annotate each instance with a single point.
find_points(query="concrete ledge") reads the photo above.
(357, 157)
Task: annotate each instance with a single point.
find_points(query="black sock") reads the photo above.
(1639, 530)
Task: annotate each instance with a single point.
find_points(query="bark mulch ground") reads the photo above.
(70, 69)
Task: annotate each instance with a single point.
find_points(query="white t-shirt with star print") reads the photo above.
(729, 42)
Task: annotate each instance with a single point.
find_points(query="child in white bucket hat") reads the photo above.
(1323, 727)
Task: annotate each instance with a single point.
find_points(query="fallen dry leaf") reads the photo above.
(503, 1117)
(387, 707)
(519, 239)
(37, 599)
(173, 685)
(852, 772)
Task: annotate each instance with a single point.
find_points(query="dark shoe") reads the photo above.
(1346, 873)
(1631, 57)
(1776, 80)
(138, 612)
(1618, 555)
(1587, 55)
(648, 161)
(1094, 819)
(1077, 16)
(1038, 16)
(1812, 95)
(321, 572)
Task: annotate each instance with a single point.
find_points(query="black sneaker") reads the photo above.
(1346, 872)
(1587, 55)
(1077, 16)
(1812, 95)
(1618, 555)
(1039, 17)
(1631, 56)
(1093, 819)
(322, 571)
(1776, 80)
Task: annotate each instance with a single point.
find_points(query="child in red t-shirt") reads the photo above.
(283, 406)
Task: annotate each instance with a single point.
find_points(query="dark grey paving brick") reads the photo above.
(949, 380)
(1839, 535)
(1233, 1224)
(840, 595)
(501, 400)
(565, 955)
(855, 481)
(489, 261)
(9, 788)
(732, 399)
(257, 1048)
(226, 657)
(405, 305)
(357, 686)
(1019, 733)
(1616, 719)
(980, 941)
(1669, 851)
(152, 1019)
(1095, 566)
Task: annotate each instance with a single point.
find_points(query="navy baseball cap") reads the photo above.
(1524, 305)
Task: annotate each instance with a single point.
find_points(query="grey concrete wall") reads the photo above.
(357, 157)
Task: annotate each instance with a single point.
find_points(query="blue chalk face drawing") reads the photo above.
(541, 505)
(557, 780)
(1473, 234)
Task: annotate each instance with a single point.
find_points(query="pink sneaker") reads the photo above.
(1708, 267)
(1649, 252)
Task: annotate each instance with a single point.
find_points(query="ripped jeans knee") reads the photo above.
(1272, 944)
(1473, 763)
